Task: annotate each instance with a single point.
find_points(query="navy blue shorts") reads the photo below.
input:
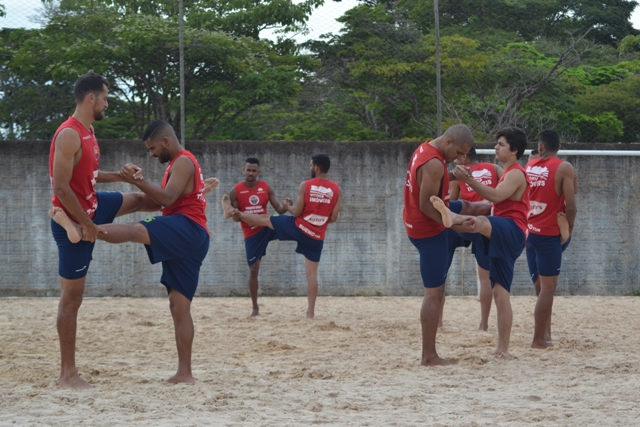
(565, 245)
(434, 261)
(180, 245)
(74, 258)
(544, 255)
(286, 229)
(503, 249)
(256, 245)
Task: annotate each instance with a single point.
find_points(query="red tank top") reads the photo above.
(320, 197)
(543, 200)
(254, 201)
(484, 173)
(516, 210)
(83, 178)
(191, 205)
(417, 224)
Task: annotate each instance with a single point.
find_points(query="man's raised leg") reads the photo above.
(251, 219)
(70, 300)
(183, 324)
(563, 225)
(505, 318)
(542, 313)
(429, 317)
(311, 269)
(74, 231)
(254, 271)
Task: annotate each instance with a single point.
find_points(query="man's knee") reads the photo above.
(254, 269)
(434, 293)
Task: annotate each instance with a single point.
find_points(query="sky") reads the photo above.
(322, 21)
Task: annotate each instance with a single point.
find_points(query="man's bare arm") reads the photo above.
(182, 173)
(571, 210)
(335, 213)
(455, 190)
(276, 203)
(67, 145)
(296, 210)
(429, 177)
(233, 199)
(512, 182)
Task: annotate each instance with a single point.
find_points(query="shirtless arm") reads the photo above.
(566, 171)
(499, 171)
(275, 202)
(455, 190)
(181, 176)
(512, 183)
(67, 149)
(233, 199)
(297, 209)
(335, 213)
(429, 177)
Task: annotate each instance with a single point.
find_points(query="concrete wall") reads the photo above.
(365, 253)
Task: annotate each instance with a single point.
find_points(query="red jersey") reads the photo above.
(320, 197)
(543, 199)
(417, 224)
(191, 205)
(484, 173)
(516, 210)
(83, 178)
(254, 201)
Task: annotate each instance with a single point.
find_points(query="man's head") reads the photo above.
(320, 163)
(91, 89)
(510, 141)
(161, 140)
(458, 140)
(470, 158)
(549, 140)
(251, 170)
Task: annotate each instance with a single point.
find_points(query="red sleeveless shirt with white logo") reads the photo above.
(320, 197)
(544, 202)
(254, 201)
(516, 210)
(191, 205)
(83, 178)
(417, 224)
(484, 173)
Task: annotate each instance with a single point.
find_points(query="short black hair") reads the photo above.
(516, 138)
(534, 152)
(88, 83)
(472, 155)
(550, 140)
(253, 161)
(322, 161)
(155, 130)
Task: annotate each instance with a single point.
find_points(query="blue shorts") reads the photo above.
(565, 245)
(503, 249)
(544, 255)
(180, 245)
(256, 245)
(434, 261)
(285, 229)
(74, 258)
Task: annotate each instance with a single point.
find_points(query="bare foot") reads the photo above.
(255, 312)
(563, 225)
(435, 361)
(74, 231)
(448, 217)
(227, 208)
(310, 315)
(181, 379)
(210, 184)
(483, 327)
(73, 382)
(500, 352)
(541, 345)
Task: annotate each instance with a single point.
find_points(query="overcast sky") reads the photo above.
(322, 21)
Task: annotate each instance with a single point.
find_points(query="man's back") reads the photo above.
(320, 198)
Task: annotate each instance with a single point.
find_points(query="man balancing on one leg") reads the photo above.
(501, 236)
(427, 176)
(551, 193)
(318, 205)
(179, 238)
(251, 196)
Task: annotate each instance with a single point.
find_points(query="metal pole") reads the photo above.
(438, 83)
(181, 54)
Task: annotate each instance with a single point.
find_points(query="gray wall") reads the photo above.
(366, 252)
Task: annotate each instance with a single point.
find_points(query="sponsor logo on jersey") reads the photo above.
(254, 200)
(536, 208)
(320, 194)
(260, 190)
(537, 175)
(317, 220)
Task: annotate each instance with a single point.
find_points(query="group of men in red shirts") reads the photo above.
(532, 207)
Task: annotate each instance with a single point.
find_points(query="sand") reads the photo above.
(356, 364)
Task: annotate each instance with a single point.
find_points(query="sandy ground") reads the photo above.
(356, 364)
